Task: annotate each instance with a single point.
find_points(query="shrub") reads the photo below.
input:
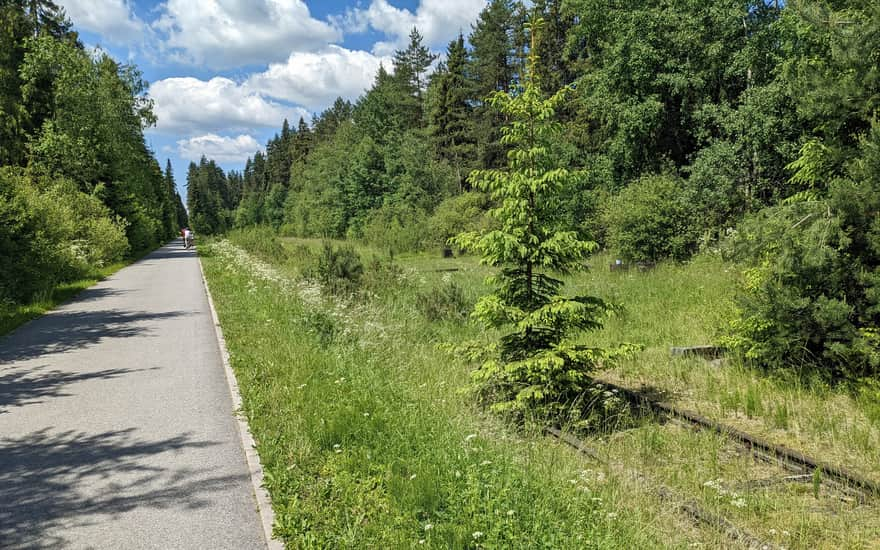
(652, 219)
(50, 232)
(718, 181)
(396, 228)
(445, 301)
(339, 269)
(459, 214)
(811, 291)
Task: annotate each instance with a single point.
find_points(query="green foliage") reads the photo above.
(51, 233)
(809, 298)
(92, 190)
(209, 198)
(535, 368)
(459, 214)
(445, 301)
(338, 269)
(652, 219)
(396, 228)
(262, 241)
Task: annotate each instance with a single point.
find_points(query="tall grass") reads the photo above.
(366, 375)
(368, 442)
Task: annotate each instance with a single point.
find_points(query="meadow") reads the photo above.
(370, 437)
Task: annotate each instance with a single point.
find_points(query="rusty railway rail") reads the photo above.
(686, 506)
(791, 459)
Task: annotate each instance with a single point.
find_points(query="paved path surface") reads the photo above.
(116, 426)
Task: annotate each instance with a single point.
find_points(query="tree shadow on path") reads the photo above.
(19, 387)
(63, 331)
(43, 474)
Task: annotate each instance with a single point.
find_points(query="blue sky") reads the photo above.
(224, 74)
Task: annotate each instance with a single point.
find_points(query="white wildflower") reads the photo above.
(429, 526)
(477, 534)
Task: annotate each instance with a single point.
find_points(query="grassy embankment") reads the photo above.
(14, 315)
(368, 441)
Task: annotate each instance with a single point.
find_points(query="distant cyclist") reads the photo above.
(187, 237)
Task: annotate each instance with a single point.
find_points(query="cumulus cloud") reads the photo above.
(232, 33)
(315, 79)
(112, 19)
(219, 148)
(439, 21)
(191, 106)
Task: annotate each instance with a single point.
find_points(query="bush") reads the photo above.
(396, 228)
(718, 181)
(445, 301)
(339, 269)
(456, 215)
(811, 291)
(652, 219)
(808, 300)
(50, 232)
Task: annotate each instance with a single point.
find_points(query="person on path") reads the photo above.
(187, 237)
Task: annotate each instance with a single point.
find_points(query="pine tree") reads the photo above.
(410, 67)
(451, 126)
(535, 367)
(301, 143)
(170, 214)
(491, 70)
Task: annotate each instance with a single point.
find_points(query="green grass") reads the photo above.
(14, 315)
(384, 352)
(368, 441)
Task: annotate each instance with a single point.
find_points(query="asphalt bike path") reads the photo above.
(117, 428)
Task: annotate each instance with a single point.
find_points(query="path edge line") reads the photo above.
(249, 446)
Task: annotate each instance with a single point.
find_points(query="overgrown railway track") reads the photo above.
(843, 479)
(802, 468)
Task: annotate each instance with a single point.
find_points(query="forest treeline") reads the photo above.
(749, 126)
(79, 188)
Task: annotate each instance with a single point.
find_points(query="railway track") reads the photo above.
(841, 478)
(688, 507)
(801, 468)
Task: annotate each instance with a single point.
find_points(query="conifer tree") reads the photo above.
(451, 120)
(410, 66)
(491, 70)
(535, 367)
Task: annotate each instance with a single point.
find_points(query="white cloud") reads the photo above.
(439, 21)
(219, 148)
(234, 33)
(316, 79)
(191, 106)
(112, 19)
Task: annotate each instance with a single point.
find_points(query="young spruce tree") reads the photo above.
(535, 369)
